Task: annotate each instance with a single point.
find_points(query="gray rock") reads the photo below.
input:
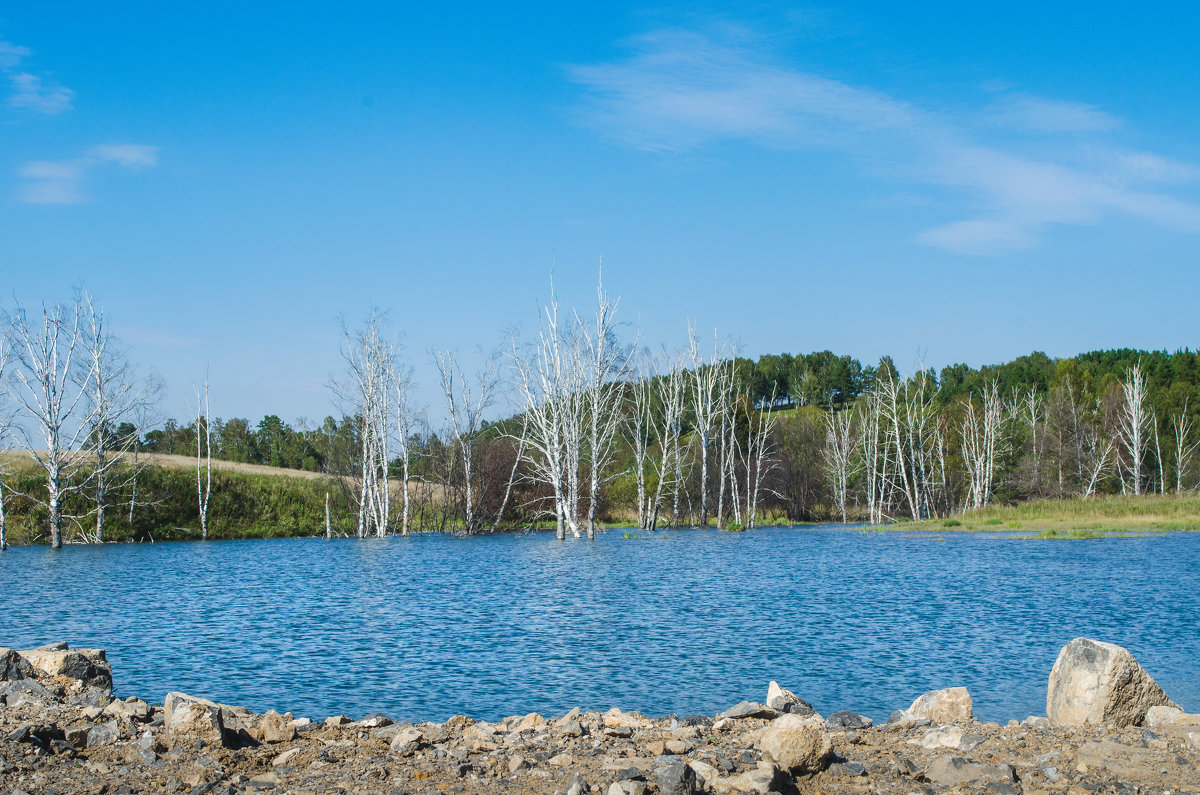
(749, 709)
(188, 720)
(13, 665)
(85, 665)
(578, 786)
(956, 771)
(375, 720)
(786, 701)
(92, 697)
(77, 735)
(845, 720)
(147, 756)
(848, 769)
(103, 734)
(1100, 684)
(674, 777)
(25, 691)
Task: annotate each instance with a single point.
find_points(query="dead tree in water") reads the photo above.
(980, 433)
(203, 458)
(708, 407)
(839, 454)
(466, 401)
(48, 386)
(115, 398)
(366, 395)
(5, 419)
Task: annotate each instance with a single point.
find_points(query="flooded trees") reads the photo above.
(203, 458)
(466, 401)
(366, 394)
(1133, 416)
(48, 386)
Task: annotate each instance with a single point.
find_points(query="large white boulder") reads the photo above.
(942, 706)
(1100, 683)
(798, 745)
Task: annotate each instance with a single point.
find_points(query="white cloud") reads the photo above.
(1039, 115)
(128, 155)
(62, 181)
(31, 91)
(678, 91)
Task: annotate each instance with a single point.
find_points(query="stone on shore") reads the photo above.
(784, 700)
(88, 666)
(674, 776)
(957, 771)
(942, 706)
(276, 728)
(748, 709)
(798, 745)
(187, 719)
(845, 720)
(1100, 684)
(13, 666)
(1170, 716)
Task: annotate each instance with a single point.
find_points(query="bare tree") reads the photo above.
(405, 426)
(366, 394)
(606, 363)
(639, 427)
(726, 443)
(1133, 419)
(114, 397)
(48, 388)
(203, 457)
(1185, 446)
(5, 421)
(708, 406)
(466, 400)
(980, 433)
(840, 443)
(758, 455)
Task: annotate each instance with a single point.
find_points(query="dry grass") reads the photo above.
(1077, 518)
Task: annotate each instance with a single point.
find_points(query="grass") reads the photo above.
(1074, 519)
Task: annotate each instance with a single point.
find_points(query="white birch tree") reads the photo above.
(708, 406)
(1133, 419)
(48, 388)
(5, 421)
(203, 457)
(1184, 446)
(466, 401)
(840, 442)
(980, 434)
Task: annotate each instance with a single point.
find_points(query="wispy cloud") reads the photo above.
(30, 91)
(679, 91)
(62, 181)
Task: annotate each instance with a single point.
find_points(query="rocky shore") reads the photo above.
(1109, 728)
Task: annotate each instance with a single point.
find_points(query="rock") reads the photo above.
(626, 788)
(187, 719)
(92, 697)
(1036, 722)
(615, 718)
(573, 728)
(285, 757)
(578, 786)
(406, 742)
(103, 734)
(852, 769)
(25, 691)
(1100, 683)
(674, 776)
(376, 720)
(1170, 716)
(338, 720)
(786, 701)
(77, 735)
(749, 709)
(147, 756)
(844, 720)
(529, 723)
(940, 737)
(132, 709)
(676, 747)
(942, 706)
(516, 764)
(956, 771)
(276, 728)
(760, 780)
(13, 665)
(480, 732)
(798, 745)
(85, 665)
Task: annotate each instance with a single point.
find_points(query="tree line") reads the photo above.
(606, 429)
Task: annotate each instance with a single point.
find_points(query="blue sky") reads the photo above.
(962, 183)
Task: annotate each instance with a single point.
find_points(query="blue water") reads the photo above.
(426, 627)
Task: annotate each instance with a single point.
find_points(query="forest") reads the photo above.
(602, 431)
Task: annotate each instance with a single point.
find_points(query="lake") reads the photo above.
(688, 622)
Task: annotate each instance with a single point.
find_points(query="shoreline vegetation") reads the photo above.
(253, 501)
(595, 432)
(1108, 727)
